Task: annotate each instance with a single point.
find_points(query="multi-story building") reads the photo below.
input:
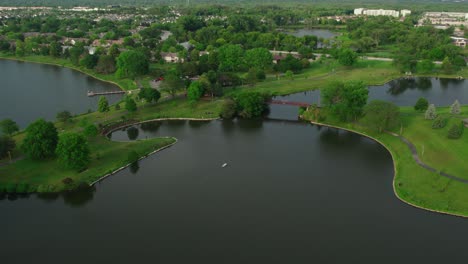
(381, 12)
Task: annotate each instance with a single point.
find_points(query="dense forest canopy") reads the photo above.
(447, 5)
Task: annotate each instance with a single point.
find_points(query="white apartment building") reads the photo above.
(381, 12)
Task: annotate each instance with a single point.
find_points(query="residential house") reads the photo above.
(170, 57)
(459, 42)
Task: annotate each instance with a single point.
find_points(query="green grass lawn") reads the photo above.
(414, 184)
(48, 176)
(320, 75)
(433, 145)
(27, 175)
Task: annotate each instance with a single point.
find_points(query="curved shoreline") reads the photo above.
(140, 158)
(395, 169)
(160, 119)
(63, 66)
(198, 119)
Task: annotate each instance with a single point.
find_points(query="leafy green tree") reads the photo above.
(289, 63)
(381, 115)
(89, 61)
(439, 122)
(289, 75)
(259, 58)
(8, 126)
(103, 104)
(73, 151)
(20, 48)
(347, 57)
(421, 105)
(346, 100)
(90, 130)
(114, 51)
(172, 83)
(455, 108)
(130, 105)
(425, 66)
(41, 140)
(149, 94)
(7, 144)
(195, 91)
(131, 64)
(228, 109)
(105, 64)
(55, 49)
(456, 131)
(431, 112)
(447, 66)
(251, 76)
(251, 104)
(230, 57)
(63, 116)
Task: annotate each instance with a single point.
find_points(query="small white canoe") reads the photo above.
(224, 165)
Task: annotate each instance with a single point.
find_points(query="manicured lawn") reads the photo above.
(413, 183)
(320, 75)
(433, 145)
(47, 176)
(107, 156)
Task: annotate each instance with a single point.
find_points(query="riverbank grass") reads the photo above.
(28, 175)
(414, 184)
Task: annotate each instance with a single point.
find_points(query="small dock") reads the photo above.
(91, 93)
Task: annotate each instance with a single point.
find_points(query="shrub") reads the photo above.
(90, 130)
(7, 144)
(439, 122)
(10, 188)
(132, 156)
(421, 105)
(103, 104)
(22, 188)
(302, 110)
(455, 108)
(431, 113)
(228, 110)
(117, 107)
(456, 131)
(64, 116)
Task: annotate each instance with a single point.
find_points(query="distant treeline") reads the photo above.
(450, 5)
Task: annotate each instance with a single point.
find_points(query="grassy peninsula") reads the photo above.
(412, 183)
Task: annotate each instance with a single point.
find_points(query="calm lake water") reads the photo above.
(402, 92)
(30, 91)
(291, 193)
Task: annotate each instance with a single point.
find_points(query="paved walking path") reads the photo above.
(418, 160)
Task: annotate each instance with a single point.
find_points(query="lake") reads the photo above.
(30, 91)
(291, 193)
(402, 92)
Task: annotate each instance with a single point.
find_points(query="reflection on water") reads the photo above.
(45, 98)
(132, 133)
(150, 126)
(400, 86)
(75, 199)
(405, 92)
(134, 167)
